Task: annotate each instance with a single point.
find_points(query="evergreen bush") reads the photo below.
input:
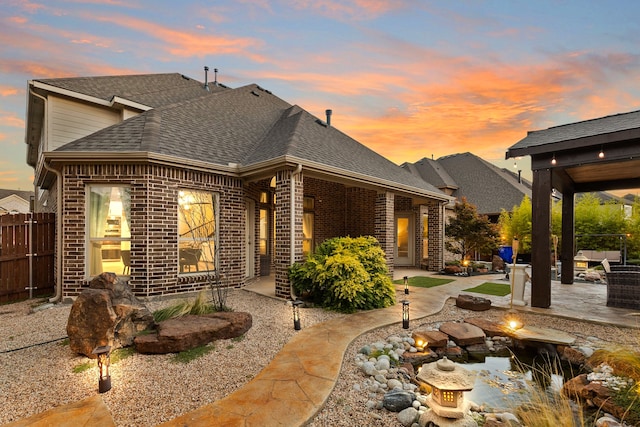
(345, 274)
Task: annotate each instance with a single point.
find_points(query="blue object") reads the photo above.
(506, 253)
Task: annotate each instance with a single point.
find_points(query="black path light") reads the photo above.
(406, 285)
(296, 313)
(405, 314)
(103, 354)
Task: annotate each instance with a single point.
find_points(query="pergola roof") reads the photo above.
(576, 148)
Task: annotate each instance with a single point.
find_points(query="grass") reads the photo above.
(192, 354)
(489, 288)
(424, 281)
(182, 308)
(82, 367)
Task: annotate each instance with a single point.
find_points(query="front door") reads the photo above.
(405, 239)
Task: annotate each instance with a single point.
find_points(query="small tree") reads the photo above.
(517, 224)
(469, 232)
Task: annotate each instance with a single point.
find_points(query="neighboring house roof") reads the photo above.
(432, 172)
(489, 188)
(15, 201)
(242, 131)
(573, 131)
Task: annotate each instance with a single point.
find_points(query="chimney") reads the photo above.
(329, 112)
(206, 81)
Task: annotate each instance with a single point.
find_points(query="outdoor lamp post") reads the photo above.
(405, 314)
(103, 354)
(406, 285)
(296, 314)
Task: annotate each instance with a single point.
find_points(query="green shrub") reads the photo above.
(345, 274)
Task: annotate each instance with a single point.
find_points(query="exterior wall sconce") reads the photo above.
(553, 159)
(103, 354)
(405, 314)
(601, 154)
(296, 314)
(406, 285)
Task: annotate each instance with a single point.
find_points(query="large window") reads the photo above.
(308, 216)
(108, 219)
(197, 231)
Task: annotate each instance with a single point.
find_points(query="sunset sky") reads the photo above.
(409, 79)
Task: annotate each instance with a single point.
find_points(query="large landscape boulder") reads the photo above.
(187, 332)
(107, 313)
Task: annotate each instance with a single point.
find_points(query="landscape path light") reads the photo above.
(406, 285)
(405, 314)
(103, 354)
(296, 314)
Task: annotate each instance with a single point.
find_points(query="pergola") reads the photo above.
(594, 155)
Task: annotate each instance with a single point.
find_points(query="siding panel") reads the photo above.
(72, 120)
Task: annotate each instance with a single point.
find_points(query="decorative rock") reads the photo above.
(463, 333)
(369, 368)
(491, 329)
(430, 418)
(106, 314)
(383, 363)
(395, 384)
(396, 401)
(607, 421)
(187, 332)
(470, 302)
(572, 355)
(408, 416)
(430, 338)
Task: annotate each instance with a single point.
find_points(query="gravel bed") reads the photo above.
(150, 389)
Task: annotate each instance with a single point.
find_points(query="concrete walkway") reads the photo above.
(295, 385)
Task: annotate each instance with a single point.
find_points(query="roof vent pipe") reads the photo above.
(206, 78)
(215, 77)
(329, 112)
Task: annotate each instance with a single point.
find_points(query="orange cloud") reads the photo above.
(8, 90)
(10, 119)
(351, 9)
(188, 44)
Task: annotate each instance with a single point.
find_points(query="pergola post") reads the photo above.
(567, 249)
(541, 239)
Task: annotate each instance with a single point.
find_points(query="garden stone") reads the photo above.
(407, 416)
(396, 401)
(187, 332)
(463, 333)
(383, 363)
(395, 384)
(107, 313)
(369, 368)
(470, 302)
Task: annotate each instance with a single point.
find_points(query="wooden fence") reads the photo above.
(26, 256)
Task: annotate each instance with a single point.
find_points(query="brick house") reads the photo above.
(163, 179)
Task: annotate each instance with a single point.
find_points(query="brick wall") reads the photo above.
(329, 212)
(384, 226)
(360, 214)
(153, 223)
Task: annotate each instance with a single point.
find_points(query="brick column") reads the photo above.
(385, 227)
(282, 256)
(436, 236)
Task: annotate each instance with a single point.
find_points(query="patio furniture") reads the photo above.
(189, 257)
(623, 287)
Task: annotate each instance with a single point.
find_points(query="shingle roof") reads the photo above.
(571, 131)
(153, 90)
(245, 126)
(432, 172)
(26, 195)
(483, 184)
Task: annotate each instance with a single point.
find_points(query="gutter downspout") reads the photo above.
(58, 295)
(292, 237)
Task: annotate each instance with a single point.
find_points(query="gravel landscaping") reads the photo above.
(37, 367)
